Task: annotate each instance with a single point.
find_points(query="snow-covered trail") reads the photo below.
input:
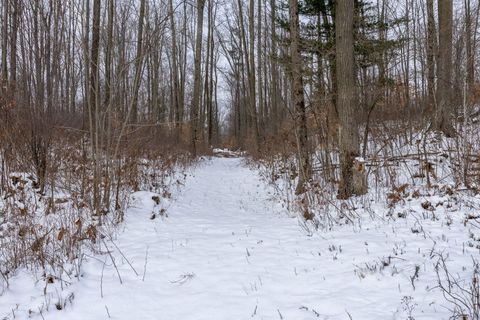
(227, 251)
(223, 253)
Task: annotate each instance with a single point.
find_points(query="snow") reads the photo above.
(226, 153)
(229, 250)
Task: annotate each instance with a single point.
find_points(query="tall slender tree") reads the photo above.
(251, 77)
(13, 47)
(469, 45)
(431, 54)
(93, 105)
(443, 120)
(298, 99)
(5, 41)
(194, 113)
(176, 85)
(138, 62)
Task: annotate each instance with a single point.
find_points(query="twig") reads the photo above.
(121, 253)
(113, 261)
(349, 315)
(101, 279)
(108, 312)
(145, 265)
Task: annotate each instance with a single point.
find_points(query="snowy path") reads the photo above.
(226, 252)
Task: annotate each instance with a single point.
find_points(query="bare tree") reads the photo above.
(260, 64)
(275, 119)
(352, 181)
(196, 84)
(13, 47)
(298, 99)
(444, 110)
(251, 74)
(431, 53)
(469, 45)
(5, 41)
(138, 61)
(175, 84)
(94, 102)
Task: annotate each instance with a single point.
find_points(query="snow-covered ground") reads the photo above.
(228, 250)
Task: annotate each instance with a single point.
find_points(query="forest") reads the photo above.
(264, 159)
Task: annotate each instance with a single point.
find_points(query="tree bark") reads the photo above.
(469, 47)
(261, 115)
(298, 99)
(352, 174)
(443, 113)
(210, 93)
(4, 74)
(251, 78)
(431, 54)
(275, 118)
(108, 53)
(196, 80)
(94, 53)
(5, 43)
(138, 62)
(93, 104)
(175, 84)
(13, 48)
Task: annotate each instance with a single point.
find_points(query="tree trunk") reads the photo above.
(108, 101)
(86, 64)
(175, 84)
(469, 47)
(4, 44)
(93, 104)
(298, 99)
(94, 77)
(206, 106)
(261, 117)
(443, 113)
(196, 80)
(275, 119)
(352, 171)
(211, 44)
(431, 53)
(251, 78)
(13, 49)
(138, 62)
(108, 53)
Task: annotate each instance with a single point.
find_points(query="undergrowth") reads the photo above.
(49, 231)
